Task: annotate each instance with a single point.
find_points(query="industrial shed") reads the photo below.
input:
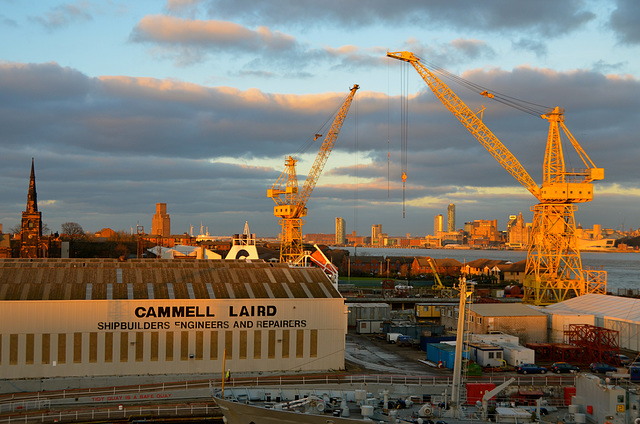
(103, 317)
(621, 314)
(516, 319)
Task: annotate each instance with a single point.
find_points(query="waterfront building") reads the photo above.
(341, 234)
(517, 232)
(161, 224)
(438, 224)
(451, 218)
(104, 317)
(484, 232)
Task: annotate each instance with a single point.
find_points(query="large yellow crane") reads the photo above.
(554, 268)
(291, 205)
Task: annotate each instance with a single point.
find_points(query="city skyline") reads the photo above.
(196, 104)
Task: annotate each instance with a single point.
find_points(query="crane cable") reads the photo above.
(318, 134)
(404, 129)
(514, 102)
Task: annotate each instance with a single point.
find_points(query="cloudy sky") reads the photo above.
(196, 103)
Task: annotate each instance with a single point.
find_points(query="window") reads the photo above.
(30, 345)
(93, 347)
(257, 344)
(490, 355)
(184, 345)
(77, 348)
(271, 352)
(499, 355)
(46, 348)
(228, 343)
(108, 347)
(169, 346)
(154, 346)
(139, 346)
(299, 343)
(62, 348)
(199, 345)
(213, 346)
(243, 345)
(124, 347)
(479, 320)
(313, 344)
(285, 343)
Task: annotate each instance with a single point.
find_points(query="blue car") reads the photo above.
(530, 369)
(601, 367)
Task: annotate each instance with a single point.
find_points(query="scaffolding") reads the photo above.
(598, 344)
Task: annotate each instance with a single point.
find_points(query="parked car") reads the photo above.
(530, 369)
(560, 367)
(601, 367)
(623, 359)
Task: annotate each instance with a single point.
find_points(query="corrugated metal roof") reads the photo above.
(600, 305)
(504, 310)
(106, 279)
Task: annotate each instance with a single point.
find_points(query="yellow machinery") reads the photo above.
(438, 286)
(554, 267)
(291, 204)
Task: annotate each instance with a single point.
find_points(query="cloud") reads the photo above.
(108, 148)
(7, 22)
(624, 21)
(206, 37)
(548, 18)
(535, 46)
(65, 14)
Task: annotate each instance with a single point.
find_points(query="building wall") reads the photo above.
(529, 329)
(63, 338)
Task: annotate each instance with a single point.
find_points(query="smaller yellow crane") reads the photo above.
(291, 205)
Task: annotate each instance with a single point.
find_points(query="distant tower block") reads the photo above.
(161, 225)
(376, 232)
(438, 224)
(451, 218)
(341, 235)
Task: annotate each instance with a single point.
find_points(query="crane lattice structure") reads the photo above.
(291, 204)
(554, 268)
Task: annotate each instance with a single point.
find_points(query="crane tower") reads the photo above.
(291, 205)
(554, 268)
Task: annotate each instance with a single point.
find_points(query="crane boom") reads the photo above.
(471, 121)
(325, 150)
(291, 204)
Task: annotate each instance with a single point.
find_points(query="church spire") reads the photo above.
(32, 197)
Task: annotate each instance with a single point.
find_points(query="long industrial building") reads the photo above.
(102, 317)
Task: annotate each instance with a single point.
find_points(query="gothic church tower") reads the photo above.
(31, 222)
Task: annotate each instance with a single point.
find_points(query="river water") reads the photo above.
(623, 269)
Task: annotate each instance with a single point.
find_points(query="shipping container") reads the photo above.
(366, 326)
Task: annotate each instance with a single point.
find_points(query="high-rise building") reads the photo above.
(438, 224)
(161, 224)
(451, 218)
(376, 232)
(341, 235)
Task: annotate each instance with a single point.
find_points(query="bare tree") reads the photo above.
(72, 230)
